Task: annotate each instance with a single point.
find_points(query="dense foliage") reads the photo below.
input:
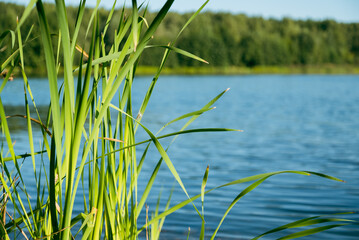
(227, 39)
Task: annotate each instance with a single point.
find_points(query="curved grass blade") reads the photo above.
(79, 17)
(159, 70)
(174, 134)
(116, 55)
(191, 19)
(9, 59)
(166, 207)
(109, 17)
(14, 55)
(238, 181)
(92, 17)
(12, 35)
(8, 75)
(242, 194)
(311, 231)
(204, 182)
(305, 222)
(179, 51)
(25, 14)
(164, 156)
(195, 113)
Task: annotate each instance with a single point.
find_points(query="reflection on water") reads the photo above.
(289, 122)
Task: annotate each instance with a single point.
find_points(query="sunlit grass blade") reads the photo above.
(203, 186)
(134, 24)
(190, 20)
(194, 116)
(305, 222)
(26, 13)
(242, 194)
(175, 134)
(311, 231)
(195, 113)
(93, 14)
(110, 15)
(163, 219)
(13, 57)
(56, 117)
(79, 17)
(256, 178)
(179, 51)
(19, 207)
(30, 134)
(148, 186)
(159, 70)
(165, 158)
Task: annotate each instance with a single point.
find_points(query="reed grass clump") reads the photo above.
(88, 147)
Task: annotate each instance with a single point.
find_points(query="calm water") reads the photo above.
(298, 122)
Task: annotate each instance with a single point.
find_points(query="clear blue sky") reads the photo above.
(340, 10)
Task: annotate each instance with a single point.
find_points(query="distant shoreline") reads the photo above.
(234, 70)
(230, 70)
(244, 44)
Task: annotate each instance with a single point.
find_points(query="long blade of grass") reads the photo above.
(304, 222)
(203, 186)
(311, 231)
(55, 109)
(194, 116)
(179, 51)
(242, 194)
(164, 156)
(197, 130)
(109, 17)
(134, 24)
(94, 12)
(4, 35)
(190, 20)
(29, 127)
(164, 59)
(26, 13)
(20, 206)
(79, 17)
(238, 181)
(195, 113)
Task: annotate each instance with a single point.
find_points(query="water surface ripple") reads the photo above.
(299, 122)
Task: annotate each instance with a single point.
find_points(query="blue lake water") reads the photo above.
(290, 122)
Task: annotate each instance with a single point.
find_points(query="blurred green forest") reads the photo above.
(223, 39)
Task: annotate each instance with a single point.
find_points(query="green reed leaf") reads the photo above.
(311, 231)
(179, 51)
(259, 177)
(306, 222)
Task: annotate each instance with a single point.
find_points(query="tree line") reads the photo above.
(223, 39)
